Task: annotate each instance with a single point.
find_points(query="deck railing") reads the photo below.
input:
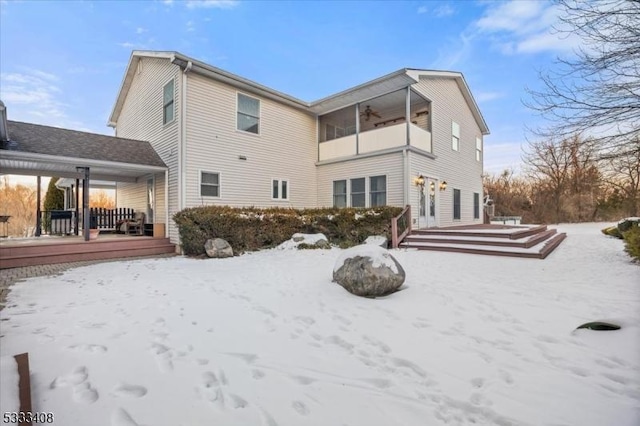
(402, 224)
(101, 218)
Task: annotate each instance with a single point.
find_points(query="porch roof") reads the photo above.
(34, 149)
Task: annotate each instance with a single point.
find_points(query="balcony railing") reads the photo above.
(375, 140)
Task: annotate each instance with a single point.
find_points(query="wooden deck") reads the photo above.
(16, 252)
(529, 241)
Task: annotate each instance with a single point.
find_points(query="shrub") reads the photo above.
(632, 242)
(626, 224)
(250, 228)
(612, 231)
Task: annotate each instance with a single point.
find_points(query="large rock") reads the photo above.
(368, 270)
(218, 248)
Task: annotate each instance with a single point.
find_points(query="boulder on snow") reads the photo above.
(306, 241)
(218, 248)
(368, 270)
(378, 240)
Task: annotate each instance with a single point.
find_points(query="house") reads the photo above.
(410, 137)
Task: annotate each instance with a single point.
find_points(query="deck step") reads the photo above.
(51, 253)
(528, 242)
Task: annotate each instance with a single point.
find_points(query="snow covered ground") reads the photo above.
(267, 339)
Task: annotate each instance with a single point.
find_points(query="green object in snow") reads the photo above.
(599, 325)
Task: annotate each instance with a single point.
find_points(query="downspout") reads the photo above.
(405, 152)
(182, 152)
(166, 203)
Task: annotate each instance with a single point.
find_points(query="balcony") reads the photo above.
(375, 140)
(376, 125)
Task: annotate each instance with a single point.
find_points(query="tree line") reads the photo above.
(567, 181)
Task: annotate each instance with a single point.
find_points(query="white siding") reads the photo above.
(390, 165)
(286, 148)
(141, 118)
(458, 168)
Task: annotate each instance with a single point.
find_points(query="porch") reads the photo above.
(396, 119)
(46, 250)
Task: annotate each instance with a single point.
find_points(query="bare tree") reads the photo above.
(622, 172)
(596, 93)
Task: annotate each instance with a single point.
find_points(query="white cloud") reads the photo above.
(141, 30)
(126, 45)
(168, 2)
(422, 9)
(33, 92)
(190, 26)
(443, 10)
(524, 27)
(211, 4)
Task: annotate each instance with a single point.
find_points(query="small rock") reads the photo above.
(378, 240)
(218, 248)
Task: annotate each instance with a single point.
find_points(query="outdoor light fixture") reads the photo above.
(419, 181)
(443, 185)
(432, 186)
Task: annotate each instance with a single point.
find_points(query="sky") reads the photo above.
(62, 63)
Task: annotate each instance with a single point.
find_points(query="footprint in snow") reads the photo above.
(300, 407)
(129, 391)
(95, 349)
(477, 382)
(79, 375)
(84, 393)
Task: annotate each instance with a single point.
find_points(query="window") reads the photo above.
(378, 190)
(456, 204)
(280, 189)
(167, 103)
(209, 184)
(476, 205)
(339, 193)
(478, 149)
(358, 194)
(248, 114)
(455, 136)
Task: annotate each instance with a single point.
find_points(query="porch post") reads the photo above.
(408, 114)
(77, 195)
(86, 223)
(357, 128)
(38, 211)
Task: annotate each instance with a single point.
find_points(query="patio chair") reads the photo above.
(135, 226)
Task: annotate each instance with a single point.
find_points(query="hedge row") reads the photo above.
(250, 228)
(629, 231)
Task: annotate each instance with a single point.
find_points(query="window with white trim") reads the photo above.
(377, 191)
(358, 193)
(167, 103)
(209, 184)
(248, 119)
(478, 149)
(456, 204)
(279, 189)
(340, 193)
(455, 136)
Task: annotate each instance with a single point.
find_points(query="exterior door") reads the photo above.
(431, 204)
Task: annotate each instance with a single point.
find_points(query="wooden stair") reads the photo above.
(45, 253)
(535, 242)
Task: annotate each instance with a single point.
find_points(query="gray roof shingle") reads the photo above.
(38, 139)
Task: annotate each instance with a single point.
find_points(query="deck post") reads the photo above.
(77, 195)
(38, 211)
(86, 219)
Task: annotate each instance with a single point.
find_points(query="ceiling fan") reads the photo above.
(368, 112)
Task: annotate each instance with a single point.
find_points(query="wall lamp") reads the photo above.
(419, 181)
(443, 185)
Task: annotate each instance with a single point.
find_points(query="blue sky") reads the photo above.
(61, 63)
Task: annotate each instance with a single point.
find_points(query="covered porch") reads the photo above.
(80, 157)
